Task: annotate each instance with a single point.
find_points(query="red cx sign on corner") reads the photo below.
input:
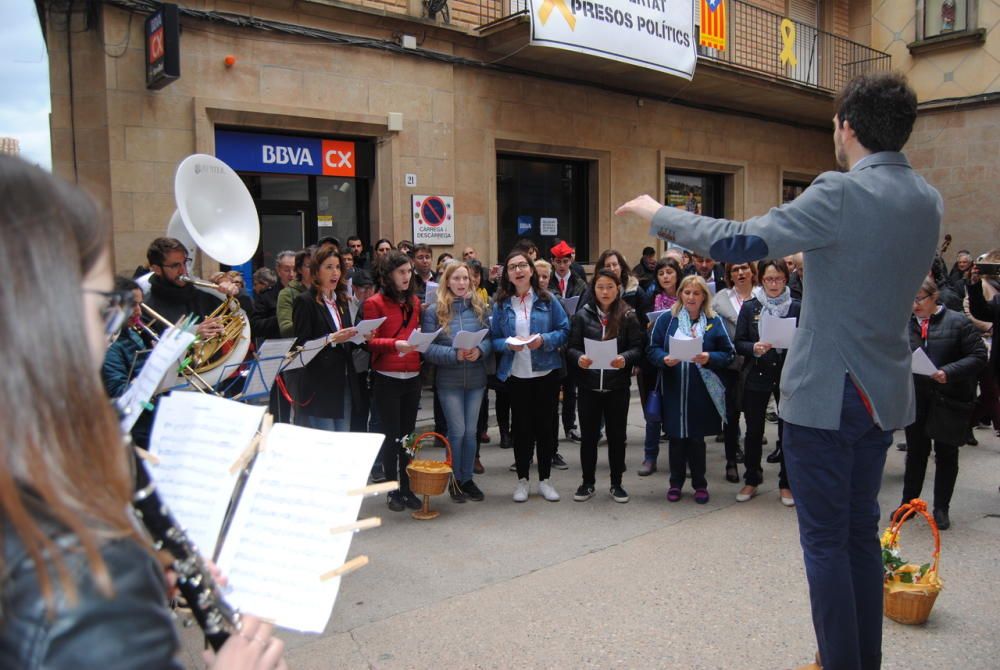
(338, 158)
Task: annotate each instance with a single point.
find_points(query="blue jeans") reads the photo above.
(461, 411)
(836, 475)
(341, 425)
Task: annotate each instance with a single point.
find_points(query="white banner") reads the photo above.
(655, 34)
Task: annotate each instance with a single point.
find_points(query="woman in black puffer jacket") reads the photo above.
(604, 393)
(952, 343)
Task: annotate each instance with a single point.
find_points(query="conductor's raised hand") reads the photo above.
(643, 207)
(254, 647)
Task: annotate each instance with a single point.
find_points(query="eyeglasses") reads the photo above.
(742, 269)
(773, 280)
(186, 263)
(919, 299)
(514, 267)
(114, 309)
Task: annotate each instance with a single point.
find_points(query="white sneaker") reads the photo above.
(787, 499)
(521, 491)
(547, 491)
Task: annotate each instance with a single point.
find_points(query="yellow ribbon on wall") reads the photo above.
(788, 41)
(549, 5)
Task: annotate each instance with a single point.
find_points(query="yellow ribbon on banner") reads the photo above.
(549, 5)
(788, 40)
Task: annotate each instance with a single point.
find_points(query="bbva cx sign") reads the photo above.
(286, 154)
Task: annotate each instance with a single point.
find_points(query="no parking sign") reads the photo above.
(434, 219)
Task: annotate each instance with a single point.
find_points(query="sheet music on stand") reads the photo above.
(307, 352)
(265, 366)
(167, 352)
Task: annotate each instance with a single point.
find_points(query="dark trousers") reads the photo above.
(396, 400)
(755, 409)
(837, 475)
(532, 404)
(988, 405)
(731, 431)
(361, 406)
(918, 449)
(684, 453)
(568, 387)
(501, 404)
(612, 406)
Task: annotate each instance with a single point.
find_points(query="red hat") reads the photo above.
(562, 250)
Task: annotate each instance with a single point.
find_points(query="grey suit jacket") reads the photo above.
(881, 215)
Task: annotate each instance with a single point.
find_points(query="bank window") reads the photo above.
(695, 192)
(945, 16)
(337, 207)
(791, 189)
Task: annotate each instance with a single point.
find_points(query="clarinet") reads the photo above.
(217, 619)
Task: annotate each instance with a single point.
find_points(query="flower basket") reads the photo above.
(909, 589)
(427, 478)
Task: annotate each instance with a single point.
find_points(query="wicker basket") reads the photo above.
(913, 606)
(425, 480)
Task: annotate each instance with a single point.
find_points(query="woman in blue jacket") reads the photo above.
(461, 373)
(693, 396)
(528, 328)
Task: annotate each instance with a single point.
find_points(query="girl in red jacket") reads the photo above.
(396, 365)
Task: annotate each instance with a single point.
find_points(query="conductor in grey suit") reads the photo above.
(846, 384)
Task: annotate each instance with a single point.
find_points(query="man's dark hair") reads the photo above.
(328, 240)
(648, 251)
(881, 108)
(124, 284)
(422, 247)
(526, 245)
(160, 247)
(362, 278)
(301, 258)
(353, 238)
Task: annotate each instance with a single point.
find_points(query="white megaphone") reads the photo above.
(216, 209)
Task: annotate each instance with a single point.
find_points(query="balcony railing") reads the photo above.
(754, 42)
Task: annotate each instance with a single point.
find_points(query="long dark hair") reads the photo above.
(62, 451)
(625, 274)
(390, 262)
(616, 312)
(667, 262)
(505, 288)
(320, 257)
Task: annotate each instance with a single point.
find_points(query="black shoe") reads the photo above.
(412, 501)
(775, 456)
(732, 473)
(583, 493)
(901, 446)
(941, 519)
(396, 501)
(720, 438)
(505, 442)
(739, 457)
(558, 463)
(378, 474)
(619, 494)
(771, 417)
(972, 442)
(763, 440)
(573, 434)
(664, 437)
(456, 492)
(472, 492)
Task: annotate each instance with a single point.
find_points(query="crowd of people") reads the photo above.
(539, 314)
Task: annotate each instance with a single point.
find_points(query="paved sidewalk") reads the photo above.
(648, 584)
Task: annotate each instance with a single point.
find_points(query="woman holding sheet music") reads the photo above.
(692, 395)
(396, 364)
(82, 588)
(762, 372)
(329, 386)
(604, 393)
(529, 327)
(461, 373)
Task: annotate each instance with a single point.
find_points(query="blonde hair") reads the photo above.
(445, 297)
(541, 263)
(706, 306)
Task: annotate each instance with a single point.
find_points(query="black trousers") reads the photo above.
(612, 406)
(731, 431)
(918, 449)
(685, 452)
(532, 403)
(361, 406)
(755, 409)
(501, 405)
(568, 386)
(396, 400)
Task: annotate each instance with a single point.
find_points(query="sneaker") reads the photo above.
(395, 501)
(619, 494)
(547, 491)
(701, 496)
(583, 493)
(573, 434)
(674, 493)
(472, 492)
(771, 417)
(647, 468)
(412, 501)
(378, 474)
(455, 491)
(559, 463)
(521, 490)
(477, 467)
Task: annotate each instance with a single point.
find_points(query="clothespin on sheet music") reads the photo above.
(374, 489)
(357, 526)
(150, 458)
(346, 568)
(258, 443)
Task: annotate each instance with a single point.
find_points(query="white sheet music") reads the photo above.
(422, 340)
(173, 343)
(279, 542)
(197, 438)
(684, 348)
(570, 304)
(270, 359)
(601, 352)
(921, 364)
(653, 316)
(309, 351)
(467, 339)
(776, 331)
(364, 327)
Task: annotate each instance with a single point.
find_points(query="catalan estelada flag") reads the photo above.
(713, 24)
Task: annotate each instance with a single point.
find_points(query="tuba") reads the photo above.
(989, 264)
(216, 215)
